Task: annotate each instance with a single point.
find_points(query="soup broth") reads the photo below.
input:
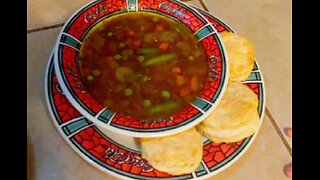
(142, 65)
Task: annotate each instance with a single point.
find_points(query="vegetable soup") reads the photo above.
(142, 65)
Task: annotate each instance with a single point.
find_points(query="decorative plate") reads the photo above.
(66, 59)
(119, 155)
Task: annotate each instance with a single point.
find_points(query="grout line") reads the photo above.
(203, 5)
(278, 130)
(44, 28)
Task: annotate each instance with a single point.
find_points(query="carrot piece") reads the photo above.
(184, 91)
(130, 32)
(194, 83)
(109, 59)
(159, 27)
(136, 43)
(176, 70)
(180, 80)
(164, 46)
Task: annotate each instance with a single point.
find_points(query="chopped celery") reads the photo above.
(159, 59)
(163, 107)
(148, 51)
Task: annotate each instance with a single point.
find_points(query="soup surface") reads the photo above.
(142, 65)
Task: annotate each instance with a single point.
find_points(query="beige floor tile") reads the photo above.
(194, 3)
(264, 159)
(42, 13)
(268, 25)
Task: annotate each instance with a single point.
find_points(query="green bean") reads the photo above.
(159, 59)
(148, 51)
(163, 107)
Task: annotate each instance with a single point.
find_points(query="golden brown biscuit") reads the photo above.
(235, 117)
(240, 54)
(176, 154)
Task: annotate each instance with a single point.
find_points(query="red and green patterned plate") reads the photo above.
(66, 59)
(119, 155)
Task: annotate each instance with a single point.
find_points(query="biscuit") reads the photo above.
(234, 118)
(176, 154)
(240, 54)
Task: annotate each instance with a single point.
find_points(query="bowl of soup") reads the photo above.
(141, 68)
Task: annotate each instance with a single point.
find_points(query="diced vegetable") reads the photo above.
(130, 32)
(194, 83)
(196, 53)
(159, 27)
(140, 58)
(96, 72)
(109, 34)
(165, 94)
(183, 46)
(164, 46)
(159, 59)
(128, 92)
(123, 72)
(136, 43)
(117, 57)
(145, 78)
(180, 80)
(163, 107)
(98, 41)
(168, 36)
(127, 52)
(154, 19)
(90, 78)
(148, 51)
(148, 37)
(122, 45)
(146, 103)
(101, 28)
(184, 91)
(190, 58)
(176, 70)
